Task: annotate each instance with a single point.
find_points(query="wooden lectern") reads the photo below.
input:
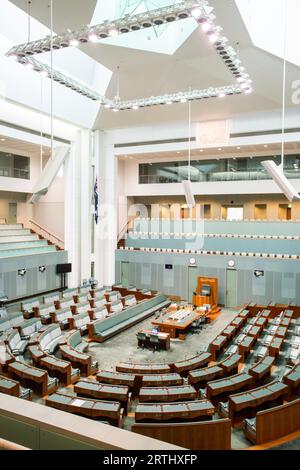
(207, 293)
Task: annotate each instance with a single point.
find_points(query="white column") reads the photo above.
(85, 204)
(78, 208)
(106, 230)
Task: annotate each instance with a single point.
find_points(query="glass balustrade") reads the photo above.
(229, 169)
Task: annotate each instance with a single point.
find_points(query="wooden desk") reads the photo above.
(183, 367)
(164, 339)
(116, 378)
(181, 325)
(92, 389)
(162, 380)
(191, 411)
(224, 387)
(167, 394)
(253, 399)
(262, 369)
(11, 387)
(275, 346)
(143, 369)
(95, 409)
(230, 364)
(84, 362)
(59, 368)
(229, 332)
(217, 345)
(199, 378)
(31, 377)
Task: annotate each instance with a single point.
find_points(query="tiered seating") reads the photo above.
(50, 338)
(183, 367)
(253, 400)
(292, 379)
(62, 317)
(11, 321)
(218, 389)
(98, 313)
(73, 351)
(13, 388)
(62, 370)
(92, 389)
(101, 330)
(167, 394)
(16, 344)
(6, 357)
(29, 307)
(143, 369)
(37, 379)
(80, 322)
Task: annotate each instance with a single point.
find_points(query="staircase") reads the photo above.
(44, 234)
(123, 233)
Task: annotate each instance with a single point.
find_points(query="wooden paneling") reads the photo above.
(277, 422)
(207, 435)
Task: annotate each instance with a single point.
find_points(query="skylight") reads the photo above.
(163, 39)
(264, 20)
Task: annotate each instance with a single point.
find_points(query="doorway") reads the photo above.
(231, 288)
(12, 213)
(260, 211)
(285, 212)
(192, 282)
(125, 273)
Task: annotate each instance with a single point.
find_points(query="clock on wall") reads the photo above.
(192, 261)
(231, 263)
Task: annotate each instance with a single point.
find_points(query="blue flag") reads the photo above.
(96, 201)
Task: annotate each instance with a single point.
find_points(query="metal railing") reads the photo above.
(19, 173)
(37, 228)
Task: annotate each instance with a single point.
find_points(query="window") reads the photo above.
(225, 169)
(14, 166)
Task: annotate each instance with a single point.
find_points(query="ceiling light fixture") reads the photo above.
(200, 10)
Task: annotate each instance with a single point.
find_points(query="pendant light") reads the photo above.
(277, 172)
(187, 185)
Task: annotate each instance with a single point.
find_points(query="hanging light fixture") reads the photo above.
(187, 185)
(277, 172)
(200, 10)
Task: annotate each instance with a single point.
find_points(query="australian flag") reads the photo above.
(96, 201)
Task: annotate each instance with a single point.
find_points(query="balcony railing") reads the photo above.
(220, 176)
(14, 173)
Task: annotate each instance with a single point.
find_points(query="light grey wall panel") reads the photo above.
(33, 282)
(272, 287)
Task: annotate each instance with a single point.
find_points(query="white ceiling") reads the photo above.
(195, 64)
(240, 151)
(19, 147)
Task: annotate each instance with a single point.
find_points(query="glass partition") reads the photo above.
(226, 169)
(14, 166)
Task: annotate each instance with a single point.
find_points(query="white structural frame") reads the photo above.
(200, 10)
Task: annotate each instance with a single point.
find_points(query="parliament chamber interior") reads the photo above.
(149, 225)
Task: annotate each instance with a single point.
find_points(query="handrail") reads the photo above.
(124, 229)
(50, 236)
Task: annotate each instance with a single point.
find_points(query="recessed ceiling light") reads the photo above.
(201, 150)
(220, 149)
(178, 152)
(265, 146)
(3, 140)
(239, 148)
